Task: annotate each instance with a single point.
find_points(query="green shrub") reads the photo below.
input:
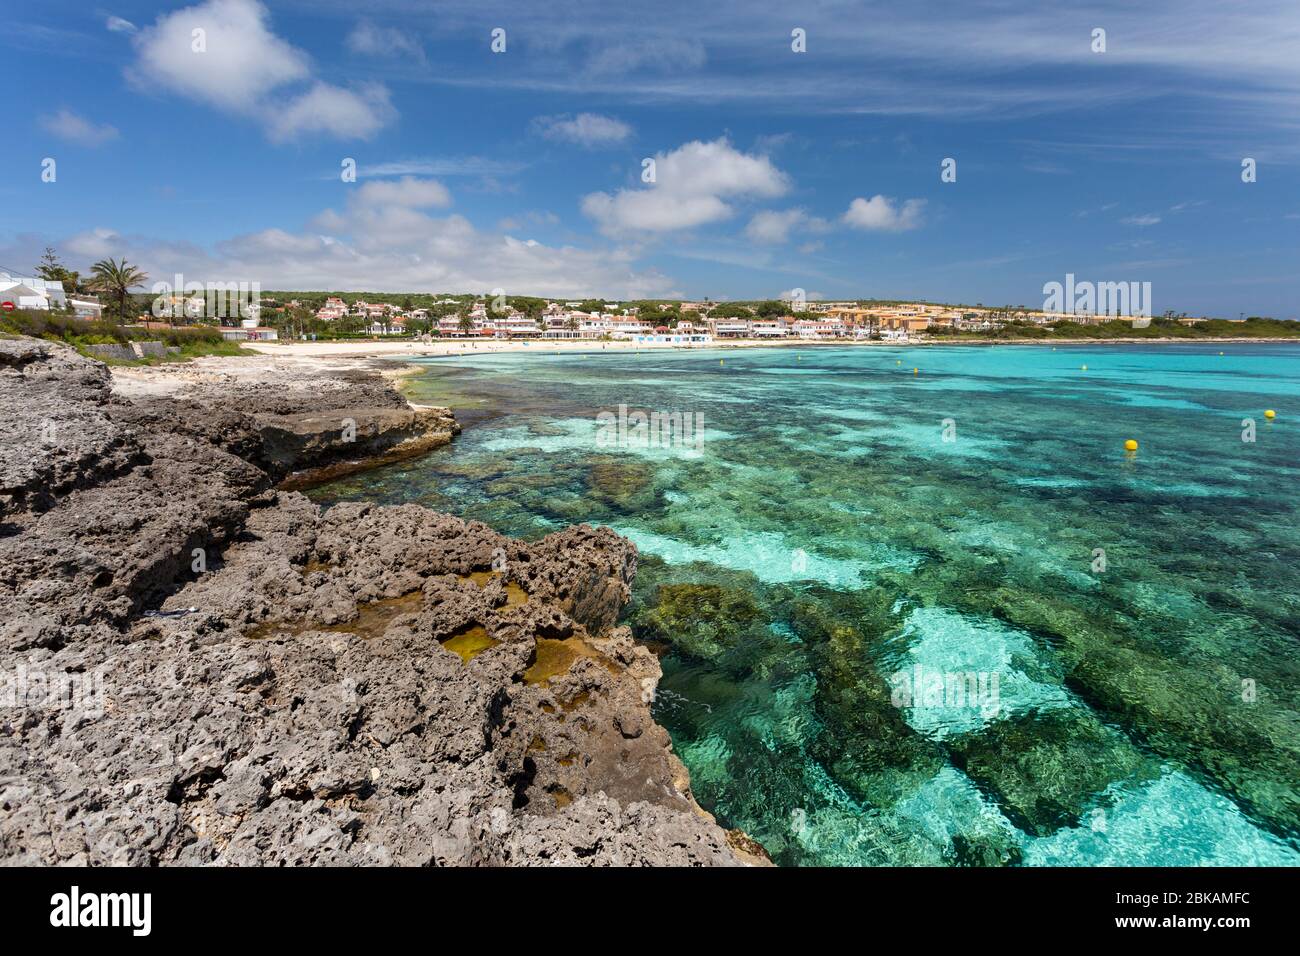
(62, 327)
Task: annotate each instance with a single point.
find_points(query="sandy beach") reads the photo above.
(270, 362)
(439, 347)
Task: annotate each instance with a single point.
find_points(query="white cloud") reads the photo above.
(67, 125)
(93, 245)
(334, 110)
(1147, 219)
(774, 226)
(882, 214)
(652, 211)
(244, 68)
(368, 39)
(691, 183)
(243, 60)
(718, 168)
(585, 129)
(383, 240)
(407, 191)
(118, 25)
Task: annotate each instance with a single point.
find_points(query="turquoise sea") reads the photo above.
(938, 617)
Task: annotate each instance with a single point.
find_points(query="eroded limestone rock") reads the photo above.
(363, 685)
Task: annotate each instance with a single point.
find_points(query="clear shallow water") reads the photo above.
(826, 549)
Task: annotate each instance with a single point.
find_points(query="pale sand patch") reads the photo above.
(143, 381)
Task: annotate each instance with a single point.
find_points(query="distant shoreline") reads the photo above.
(412, 351)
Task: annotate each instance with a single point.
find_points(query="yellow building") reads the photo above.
(903, 323)
(850, 315)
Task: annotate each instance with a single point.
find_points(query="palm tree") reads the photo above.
(466, 324)
(116, 279)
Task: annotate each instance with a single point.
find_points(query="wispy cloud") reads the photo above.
(369, 39)
(68, 126)
(1045, 169)
(440, 166)
(993, 58)
(773, 226)
(590, 130)
(661, 54)
(771, 142)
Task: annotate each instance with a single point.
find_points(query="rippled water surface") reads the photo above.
(884, 647)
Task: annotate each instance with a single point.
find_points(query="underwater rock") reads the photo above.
(984, 851)
(704, 620)
(1176, 708)
(866, 743)
(1047, 770)
(624, 484)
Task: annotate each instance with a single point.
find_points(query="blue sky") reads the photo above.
(775, 170)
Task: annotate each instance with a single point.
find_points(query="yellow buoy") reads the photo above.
(720, 361)
(1270, 414)
(899, 362)
(1131, 445)
(1084, 367)
(915, 371)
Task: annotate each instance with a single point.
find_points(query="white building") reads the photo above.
(516, 324)
(819, 329)
(249, 333)
(450, 325)
(730, 328)
(388, 326)
(86, 307)
(674, 338)
(334, 308)
(28, 292)
(624, 328)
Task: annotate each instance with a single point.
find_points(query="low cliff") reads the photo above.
(200, 666)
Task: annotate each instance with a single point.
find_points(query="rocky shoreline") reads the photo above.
(200, 666)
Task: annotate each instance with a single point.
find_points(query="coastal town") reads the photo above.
(673, 322)
(241, 313)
